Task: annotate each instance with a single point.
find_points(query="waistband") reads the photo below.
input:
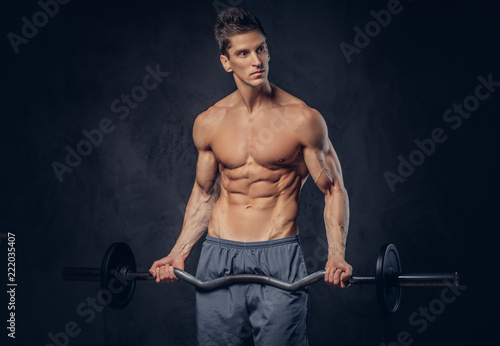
(252, 244)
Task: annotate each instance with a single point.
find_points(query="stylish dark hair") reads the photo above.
(234, 21)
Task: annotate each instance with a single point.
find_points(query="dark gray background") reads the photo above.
(134, 186)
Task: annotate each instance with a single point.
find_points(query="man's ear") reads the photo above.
(225, 63)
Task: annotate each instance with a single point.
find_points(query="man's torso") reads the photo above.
(262, 168)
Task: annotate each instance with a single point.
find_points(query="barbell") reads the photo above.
(119, 265)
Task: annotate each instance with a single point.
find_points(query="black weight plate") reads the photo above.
(388, 265)
(117, 256)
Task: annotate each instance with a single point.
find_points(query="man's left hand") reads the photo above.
(337, 272)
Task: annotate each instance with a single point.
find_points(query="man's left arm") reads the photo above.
(324, 167)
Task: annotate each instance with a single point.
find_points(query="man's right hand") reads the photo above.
(163, 269)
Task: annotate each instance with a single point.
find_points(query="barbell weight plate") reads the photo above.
(117, 256)
(388, 265)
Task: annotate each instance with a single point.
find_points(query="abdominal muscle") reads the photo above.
(249, 211)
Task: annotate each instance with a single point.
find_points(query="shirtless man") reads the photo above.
(256, 148)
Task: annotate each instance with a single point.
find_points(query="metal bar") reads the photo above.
(130, 276)
(262, 279)
(401, 280)
(425, 280)
(362, 280)
(81, 274)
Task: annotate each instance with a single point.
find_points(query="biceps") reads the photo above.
(206, 171)
(324, 167)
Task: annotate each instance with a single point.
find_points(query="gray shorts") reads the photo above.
(240, 313)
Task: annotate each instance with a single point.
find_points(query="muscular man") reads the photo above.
(256, 148)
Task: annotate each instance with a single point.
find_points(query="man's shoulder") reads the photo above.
(217, 110)
(307, 121)
(207, 120)
(293, 105)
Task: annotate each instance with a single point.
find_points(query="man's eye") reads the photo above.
(242, 53)
(262, 49)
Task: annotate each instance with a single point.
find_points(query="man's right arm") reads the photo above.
(205, 193)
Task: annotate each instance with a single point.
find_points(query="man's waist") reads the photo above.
(252, 244)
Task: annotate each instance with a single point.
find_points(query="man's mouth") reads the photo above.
(260, 71)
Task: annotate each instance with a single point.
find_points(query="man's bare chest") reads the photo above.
(269, 140)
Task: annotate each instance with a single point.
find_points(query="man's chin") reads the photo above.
(252, 81)
(257, 82)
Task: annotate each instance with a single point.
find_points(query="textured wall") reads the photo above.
(134, 184)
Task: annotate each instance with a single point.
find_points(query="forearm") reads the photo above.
(196, 218)
(336, 220)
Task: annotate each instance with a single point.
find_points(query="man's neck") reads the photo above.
(255, 97)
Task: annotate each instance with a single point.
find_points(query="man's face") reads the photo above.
(247, 54)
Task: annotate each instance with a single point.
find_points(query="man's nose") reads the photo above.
(256, 60)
